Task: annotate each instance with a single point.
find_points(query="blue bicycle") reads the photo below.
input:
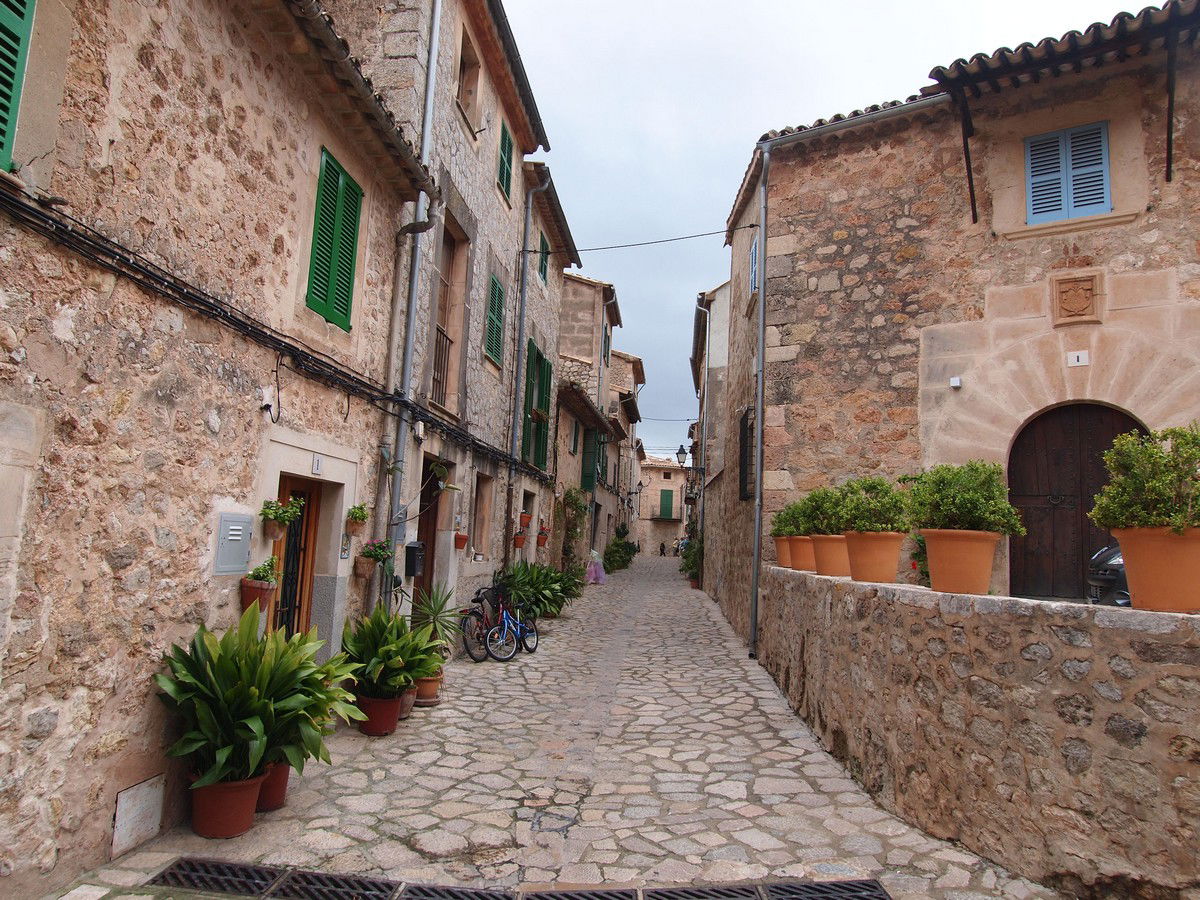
(503, 638)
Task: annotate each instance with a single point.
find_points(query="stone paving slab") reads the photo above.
(638, 746)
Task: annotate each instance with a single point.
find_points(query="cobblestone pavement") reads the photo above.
(638, 745)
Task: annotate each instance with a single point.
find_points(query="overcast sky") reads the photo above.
(653, 108)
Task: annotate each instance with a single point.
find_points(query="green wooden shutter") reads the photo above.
(493, 332)
(504, 173)
(544, 258)
(587, 470)
(334, 243)
(527, 423)
(16, 25)
(666, 504)
(607, 345)
(542, 431)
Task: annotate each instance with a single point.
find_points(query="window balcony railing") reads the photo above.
(441, 366)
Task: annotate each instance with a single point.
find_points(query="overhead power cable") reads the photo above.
(670, 240)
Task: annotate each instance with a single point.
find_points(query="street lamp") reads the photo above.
(681, 454)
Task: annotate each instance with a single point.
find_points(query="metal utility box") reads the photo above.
(414, 559)
(234, 532)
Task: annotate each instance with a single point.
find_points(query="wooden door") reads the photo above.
(296, 551)
(1055, 470)
(426, 529)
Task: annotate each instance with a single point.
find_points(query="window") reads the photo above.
(334, 243)
(447, 333)
(481, 520)
(504, 172)
(754, 265)
(746, 456)
(1067, 174)
(666, 476)
(467, 89)
(607, 349)
(16, 25)
(587, 469)
(574, 437)
(535, 432)
(493, 331)
(544, 258)
(666, 504)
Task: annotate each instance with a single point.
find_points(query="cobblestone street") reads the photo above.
(638, 745)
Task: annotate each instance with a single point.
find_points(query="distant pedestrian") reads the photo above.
(662, 549)
(675, 545)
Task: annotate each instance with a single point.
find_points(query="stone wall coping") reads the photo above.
(966, 605)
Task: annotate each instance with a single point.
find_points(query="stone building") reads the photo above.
(205, 256)
(661, 500)
(708, 361)
(1021, 305)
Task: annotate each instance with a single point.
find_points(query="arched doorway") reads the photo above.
(1055, 469)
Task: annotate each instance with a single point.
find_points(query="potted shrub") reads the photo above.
(460, 540)
(356, 519)
(1151, 504)
(826, 523)
(781, 529)
(390, 656)
(519, 539)
(277, 515)
(526, 518)
(435, 609)
(371, 554)
(800, 542)
(876, 526)
(259, 584)
(543, 535)
(962, 512)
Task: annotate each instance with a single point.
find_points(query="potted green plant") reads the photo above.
(371, 554)
(825, 515)
(781, 529)
(390, 656)
(277, 515)
(526, 518)
(435, 609)
(259, 584)
(356, 519)
(460, 540)
(1152, 506)
(543, 535)
(519, 539)
(876, 526)
(962, 512)
(800, 543)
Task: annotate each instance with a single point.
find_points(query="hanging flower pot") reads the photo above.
(364, 567)
(225, 809)
(526, 518)
(356, 519)
(277, 515)
(830, 553)
(519, 540)
(460, 540)
(803, 558)
(254, 591)
(274, 531)
(542, 538)
(273, 794)
(783, 552)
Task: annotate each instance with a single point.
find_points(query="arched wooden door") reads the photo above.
(1055, 470)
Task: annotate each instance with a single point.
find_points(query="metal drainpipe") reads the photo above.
(759, 391)
(518, 407)
(703, 473)
(399, 509)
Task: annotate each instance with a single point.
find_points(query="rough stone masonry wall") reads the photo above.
(1060, 740)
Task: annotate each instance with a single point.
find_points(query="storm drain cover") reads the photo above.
(330, 886)
(704, 892)
(598, 894)
(826, 890)
(436, 892)
(218, 876)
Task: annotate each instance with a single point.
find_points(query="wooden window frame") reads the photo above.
(1067, 175)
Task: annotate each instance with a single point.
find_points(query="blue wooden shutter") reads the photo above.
(1067, 174)
(1045, 178)
(1087, 157)
(16, 25)
(493, 336)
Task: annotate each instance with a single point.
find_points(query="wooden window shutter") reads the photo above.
(666, 503)
(504, 172)
(746, 456)
(541, 449)
(16, 25)
(1067, 174)
(1088, 176)
(1046, 178)
(334, 242)
(544, 258)
(527, 423)
(493, 331)
(587, 470)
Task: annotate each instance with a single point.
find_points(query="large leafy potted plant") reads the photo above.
(434, 608)
(1152, 506)
(825, 513)
(962, 512)
(391, 656)
(781, 529)
(876, 526)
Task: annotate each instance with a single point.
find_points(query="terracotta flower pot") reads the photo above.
(1163, 568)
(526, 518)
(803, 558)
(256, 591)
(429, 691)
(519, 541)
(382, 714)
(407, 700)
(960, 562)
(273, 794)
(274, 531)
(364, 567)
(829, 551)
(874, 555)
(225, 809)
(694, 583)
(542, 539)
(460, 540)
(354, 527)
(783, 552)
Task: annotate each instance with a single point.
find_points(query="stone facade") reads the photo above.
(654, 528)
(1056, 739)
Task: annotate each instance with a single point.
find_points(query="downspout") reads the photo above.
(703, 463)
(518, 406)
(399, 509)
(759, 391)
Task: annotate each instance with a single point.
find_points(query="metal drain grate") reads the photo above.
(705, 892)
(599, 894)
(217, 875)
(329, 886)
(439, 892)
(826, 890)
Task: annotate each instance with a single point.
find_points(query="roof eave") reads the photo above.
(513, 54)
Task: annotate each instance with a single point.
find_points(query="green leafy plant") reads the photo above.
(575, 508)
(390, 655)
(285, 513)
(693, 557)
(873, 504)
(380, 551)
(357, 513)
(618, 554)
(267, 571)
(435, 608)
(822, 512)
(1153, 481)
(782, 523)
(970, 497)
(622, 531)
(540, 590)
(246, 701)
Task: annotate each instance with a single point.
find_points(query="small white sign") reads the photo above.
(1077, 358)
(318, 462)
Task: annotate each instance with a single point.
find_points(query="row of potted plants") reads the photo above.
(858, 528)
(544, 591)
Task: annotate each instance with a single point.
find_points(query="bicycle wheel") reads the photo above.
(474, 632)
(529, 640)
(501, 643)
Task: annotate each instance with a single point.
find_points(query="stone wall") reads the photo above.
(1060, 740)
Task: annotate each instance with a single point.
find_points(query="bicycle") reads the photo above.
(478, 619)
(503, 638)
